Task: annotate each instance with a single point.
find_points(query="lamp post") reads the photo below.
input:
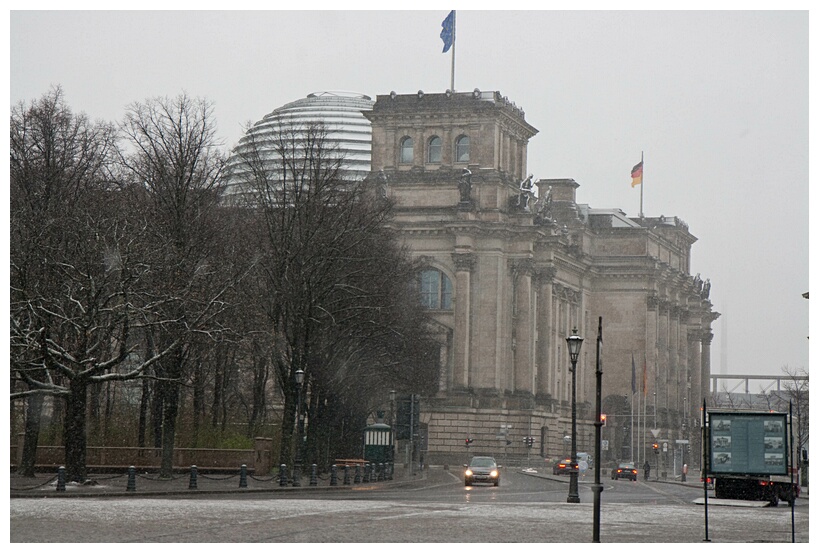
(297, 465)
(597, 488)
(574, 342)
(392, 427)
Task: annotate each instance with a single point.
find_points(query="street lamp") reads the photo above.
(393, 395)
(297, 468)
(574, 342)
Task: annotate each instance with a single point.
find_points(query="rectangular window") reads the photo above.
(446, 292)
(429, 289)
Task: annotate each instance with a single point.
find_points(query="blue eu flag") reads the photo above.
(448, 31)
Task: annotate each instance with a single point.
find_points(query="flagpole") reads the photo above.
(645, 399)
(638, 430)
(452, 80)
(642, 177)
(632, 435)
(643, 412)
(631, 441)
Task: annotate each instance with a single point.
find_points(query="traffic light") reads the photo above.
(603, 418)
(656, 447)
(529, 441)
(407, 417)
(468, 442)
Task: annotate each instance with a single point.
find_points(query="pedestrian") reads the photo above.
(646, 470)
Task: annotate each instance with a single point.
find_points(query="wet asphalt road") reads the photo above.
(528, 508)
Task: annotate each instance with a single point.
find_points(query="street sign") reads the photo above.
(680, 441)
(605, 445)
(655, 432)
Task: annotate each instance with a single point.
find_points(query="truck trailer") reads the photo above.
(749, 455)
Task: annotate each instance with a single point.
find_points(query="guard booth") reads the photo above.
(378, 443)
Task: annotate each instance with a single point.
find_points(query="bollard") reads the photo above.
(381, 472)
(334, 475)
(314, 475)
(357, 479)
(391, 470)
(297, 476)
(243, 476)
(61, 479)
(346, 475)
(192, 484)
(283, 476)
(373, 472)
(131, 486)
(366, 477)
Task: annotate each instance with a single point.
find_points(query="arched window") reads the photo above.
(434, 150)
(406, 150)
(436, 290)
(462, 149)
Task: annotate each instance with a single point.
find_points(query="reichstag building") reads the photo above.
(512, 266)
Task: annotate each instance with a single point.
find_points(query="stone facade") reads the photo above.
(510, 273)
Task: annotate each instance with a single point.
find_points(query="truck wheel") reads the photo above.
(774, 500)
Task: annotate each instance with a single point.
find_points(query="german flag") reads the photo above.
(637, 175)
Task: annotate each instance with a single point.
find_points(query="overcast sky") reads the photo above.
(717, 101)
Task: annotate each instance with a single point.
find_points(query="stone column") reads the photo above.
(664, 381)
(705, 360)
(522, 334)
(694, 360)
(652, 355)
(676, 370)
(464, 264)
(443, 363)
(544, 374)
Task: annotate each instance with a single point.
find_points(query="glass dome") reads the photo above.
(346, 127)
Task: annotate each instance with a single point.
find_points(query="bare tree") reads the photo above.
(335, 282)
(174, 168)
(797, 394)
(75, 267)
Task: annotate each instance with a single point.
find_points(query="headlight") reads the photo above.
(493, 474)
(468, 472)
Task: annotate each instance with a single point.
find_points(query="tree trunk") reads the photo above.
(218, 379)
(198, 401)
(74, 437)
(143, 413)
(157, 409)
(261, 372)
(288, 421)
(34, 409)
(171, 407)
(94, 420)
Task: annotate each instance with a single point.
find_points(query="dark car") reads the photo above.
(624, 470)
(563, 466)
(482, 469)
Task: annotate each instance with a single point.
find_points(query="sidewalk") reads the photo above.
(185, 483)
(589, 479)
